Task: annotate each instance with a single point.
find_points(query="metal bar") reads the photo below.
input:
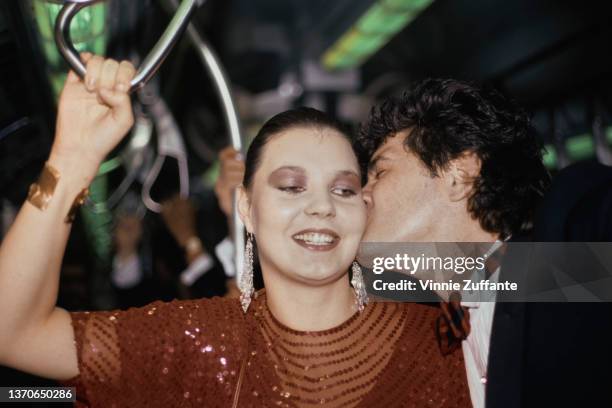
(221, 83)
(215, 70)
(153, 60)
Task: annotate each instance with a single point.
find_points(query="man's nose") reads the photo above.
(366, 193)
(321, 204)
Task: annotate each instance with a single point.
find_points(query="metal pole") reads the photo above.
(221, 83)
(215, 70)
(151, 63)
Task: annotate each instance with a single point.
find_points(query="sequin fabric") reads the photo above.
(191, 354)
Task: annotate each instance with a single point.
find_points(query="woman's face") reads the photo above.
(305, 206)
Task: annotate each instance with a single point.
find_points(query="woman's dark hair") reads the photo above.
(447, 118)
(299, 117)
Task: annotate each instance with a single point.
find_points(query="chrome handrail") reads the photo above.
(210, 60)
(151, 63)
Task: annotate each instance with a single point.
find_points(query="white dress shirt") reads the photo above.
(476, 346)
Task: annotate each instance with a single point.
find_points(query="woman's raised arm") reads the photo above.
(94, 114)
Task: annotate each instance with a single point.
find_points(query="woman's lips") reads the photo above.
(317, 239)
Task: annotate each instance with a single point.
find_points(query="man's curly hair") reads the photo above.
(448, 118)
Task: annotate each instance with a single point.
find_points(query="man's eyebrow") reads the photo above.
(375, 160)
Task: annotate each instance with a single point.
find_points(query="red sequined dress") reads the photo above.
(207, 353)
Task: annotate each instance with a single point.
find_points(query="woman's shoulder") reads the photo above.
(159, 347)
(209, 312)
(202, 321)
(215, 305)
(204, 317)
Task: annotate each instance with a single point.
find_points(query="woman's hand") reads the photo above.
(36, 336)
(94, 114)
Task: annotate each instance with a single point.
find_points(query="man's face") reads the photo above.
(405, 202)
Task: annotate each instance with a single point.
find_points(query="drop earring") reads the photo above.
(246, 279)
(361, 295)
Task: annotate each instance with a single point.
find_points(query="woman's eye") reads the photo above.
(379, 173)
(344, 192)
(291, 189)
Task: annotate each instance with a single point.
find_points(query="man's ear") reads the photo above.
(244, 208)
(460, 175)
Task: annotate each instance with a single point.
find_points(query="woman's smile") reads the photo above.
(317, 239)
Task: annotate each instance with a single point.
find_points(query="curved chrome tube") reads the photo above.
(215, 69)
(150, 64)
(210, 60)
(212, 64)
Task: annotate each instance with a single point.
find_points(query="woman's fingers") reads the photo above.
(72, 76)
(93, 73)
(124, 76)
(119, 102)
(108, 74)
(111, 81)
(86, 56)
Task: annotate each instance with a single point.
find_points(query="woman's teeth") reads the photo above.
(315, 238)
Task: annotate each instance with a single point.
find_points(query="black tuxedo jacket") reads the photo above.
(557, 354)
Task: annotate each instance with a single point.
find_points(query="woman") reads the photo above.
(308, 339)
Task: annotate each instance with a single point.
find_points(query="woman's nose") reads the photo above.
(322, 205)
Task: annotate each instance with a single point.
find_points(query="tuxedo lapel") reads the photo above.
(505, 365)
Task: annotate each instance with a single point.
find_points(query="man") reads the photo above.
(449, 162)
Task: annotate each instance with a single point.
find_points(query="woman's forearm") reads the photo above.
(94, 114)
(32, 251)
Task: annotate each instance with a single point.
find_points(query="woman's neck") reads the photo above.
(310, 308)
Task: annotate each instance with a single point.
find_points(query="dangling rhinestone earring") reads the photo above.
(245, 284)
(361, 296)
